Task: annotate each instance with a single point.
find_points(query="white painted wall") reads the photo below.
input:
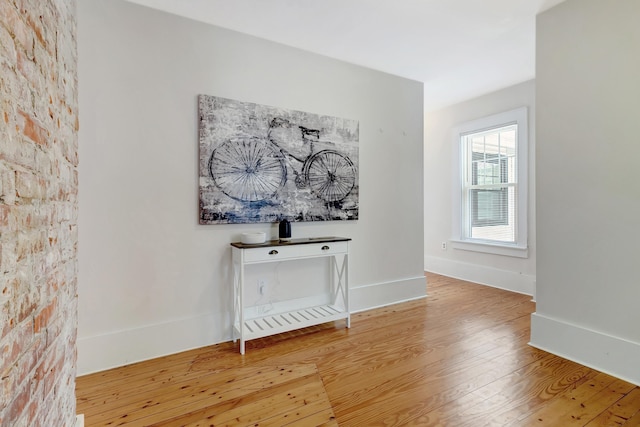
(588, 193)
(516, 274)
(152, 281)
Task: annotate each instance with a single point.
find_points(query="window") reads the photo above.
(490, 200)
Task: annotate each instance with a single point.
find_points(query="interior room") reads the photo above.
(109, 262)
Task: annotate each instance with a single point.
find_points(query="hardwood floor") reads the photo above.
(457, 358)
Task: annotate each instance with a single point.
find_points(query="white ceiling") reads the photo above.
(459, 49)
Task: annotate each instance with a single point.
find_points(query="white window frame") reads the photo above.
(518, 249)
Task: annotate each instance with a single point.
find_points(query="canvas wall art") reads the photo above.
(262, 164)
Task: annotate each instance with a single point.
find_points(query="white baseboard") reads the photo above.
(118, 348)
(614, 356)
(387, 293)
(502, 279)
(80, 420)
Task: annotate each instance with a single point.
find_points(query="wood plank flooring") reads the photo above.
(457, 358)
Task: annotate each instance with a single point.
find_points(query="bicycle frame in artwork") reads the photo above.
(264, 164)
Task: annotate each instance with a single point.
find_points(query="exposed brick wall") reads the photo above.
(38, 212)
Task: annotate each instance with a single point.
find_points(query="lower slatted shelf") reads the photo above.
(288, 321)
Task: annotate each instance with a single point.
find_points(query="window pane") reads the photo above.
(491, 194)
(477, 144)
(492, 214)
(508, 142)
(491, 164)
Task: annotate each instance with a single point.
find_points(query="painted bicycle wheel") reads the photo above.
(330, 175)
(248, 169)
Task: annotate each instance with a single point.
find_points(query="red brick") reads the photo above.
(55, 327)
(7, 326)
(31, 129)
(28, 361)
(16, 407)
(53, 375)
(17, 151)
(15, 344)
(7, 46)
(30, 243)
(42, 319)
(16, 26)
(30, 413)
(30, 186)
(38, 212)
(23, 218)
(25, 304)
(36, 27)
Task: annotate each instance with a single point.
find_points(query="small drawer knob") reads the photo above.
(273, 252)
(325, 248)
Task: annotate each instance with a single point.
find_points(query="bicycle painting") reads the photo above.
(262, 164)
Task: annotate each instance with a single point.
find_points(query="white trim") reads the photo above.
(611, 355)
(80, 420)
(481, 274)
(491, 248)
(118, 348)
(377, 295)
(519, 116)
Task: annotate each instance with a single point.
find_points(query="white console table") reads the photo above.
(248, 326)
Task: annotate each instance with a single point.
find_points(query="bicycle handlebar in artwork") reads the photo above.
(263, 164)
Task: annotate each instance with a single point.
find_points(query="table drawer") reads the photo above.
(282, 253)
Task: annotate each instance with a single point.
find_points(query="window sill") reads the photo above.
(490, 248)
